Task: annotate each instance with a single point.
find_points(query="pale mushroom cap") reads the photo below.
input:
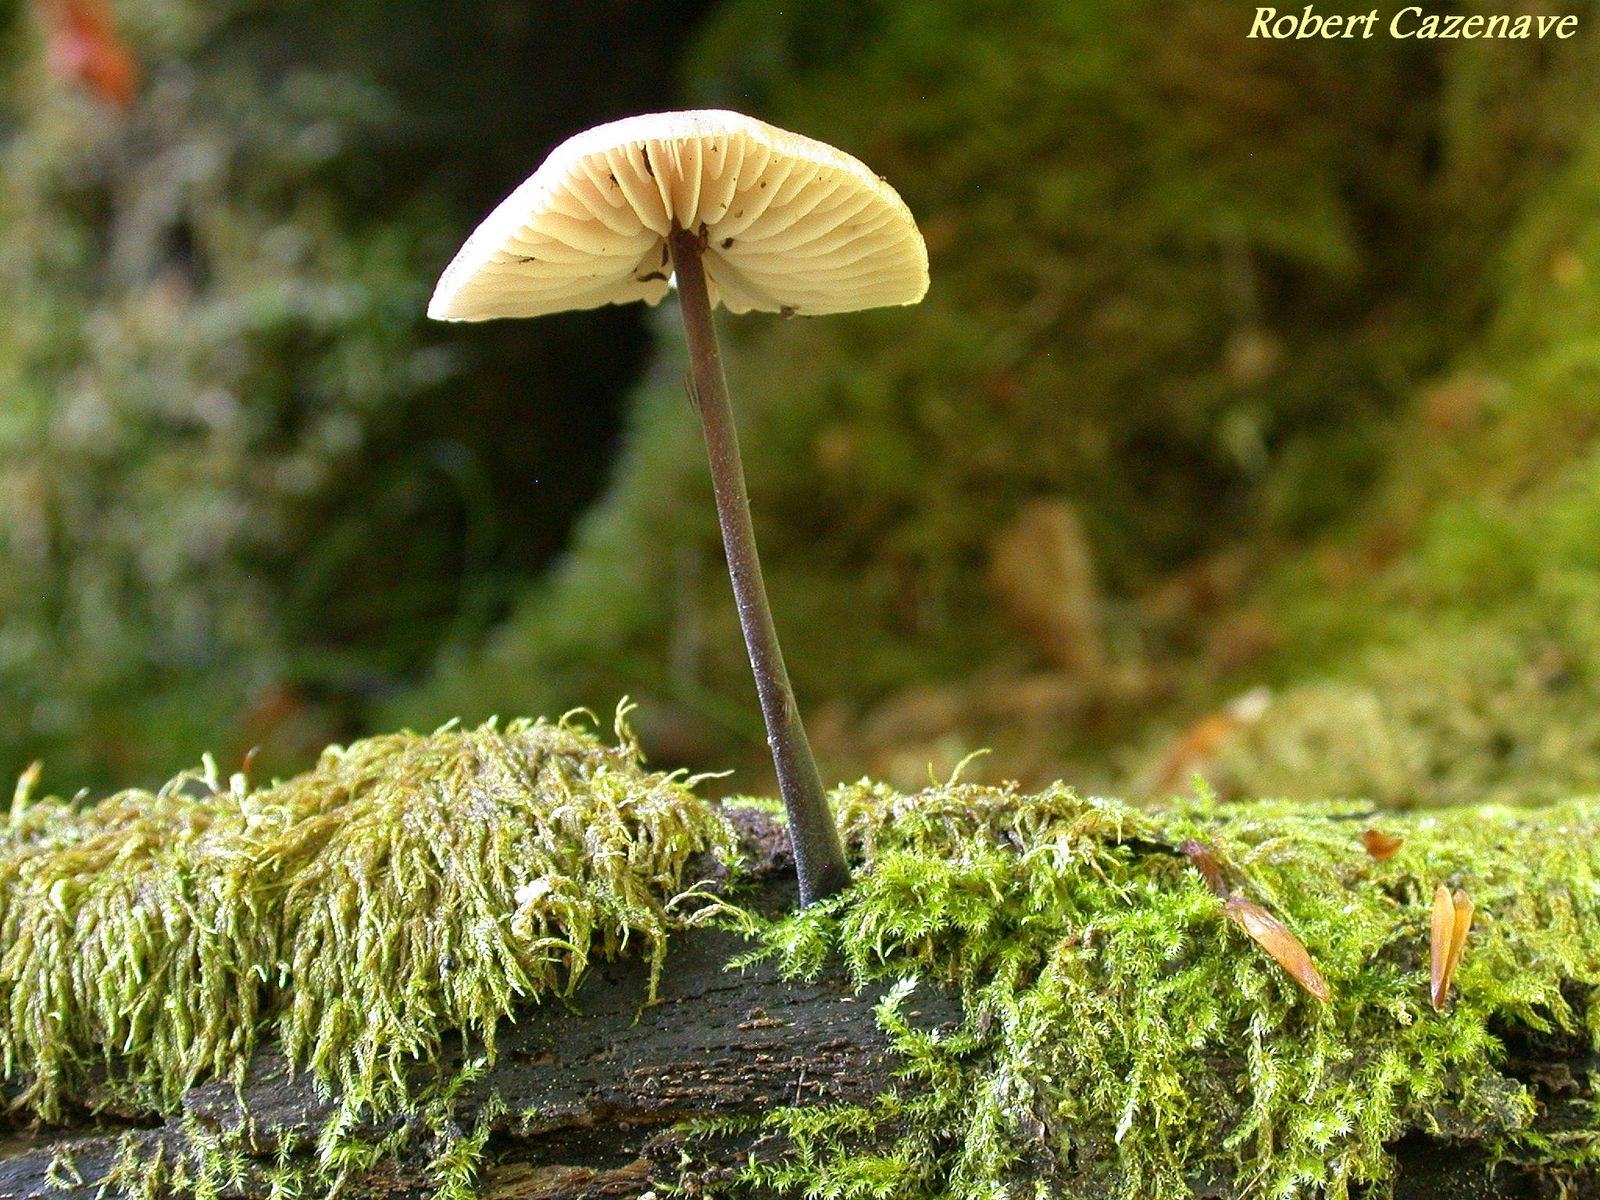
(790, 223)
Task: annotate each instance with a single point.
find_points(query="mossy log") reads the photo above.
(614, 1079)
(512, 962)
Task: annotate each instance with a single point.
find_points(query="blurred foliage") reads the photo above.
(1460, 618)
(1243, 364)
(245, 488)
(1187, 288)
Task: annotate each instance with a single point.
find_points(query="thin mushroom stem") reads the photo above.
(818, 852)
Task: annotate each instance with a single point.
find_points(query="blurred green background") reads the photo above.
(1249, 427)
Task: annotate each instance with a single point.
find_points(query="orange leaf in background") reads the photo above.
(1452, 918)
(1201, 741)
(1382, 846)
(84, 45)
(1274, 937)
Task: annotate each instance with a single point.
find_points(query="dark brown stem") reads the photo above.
(818, 853)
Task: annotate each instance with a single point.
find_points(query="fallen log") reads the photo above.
(597, 1095)
(1088, 1000)
(594, 1096)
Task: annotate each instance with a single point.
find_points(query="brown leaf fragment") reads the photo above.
(1452, 918)
(1206, 863)
(1274, 937)
(1382, 846)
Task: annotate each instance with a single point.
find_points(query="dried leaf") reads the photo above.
(1452, 918)
(1382, 846)
(1274, 937)
(1206, 863)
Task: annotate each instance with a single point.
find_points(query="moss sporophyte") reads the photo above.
(740, 213)
(1120, 1037)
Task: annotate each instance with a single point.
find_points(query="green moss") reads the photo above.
(1124, 1039)
(159, 937)
(1121, 1036)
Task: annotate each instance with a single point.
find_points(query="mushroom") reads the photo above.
(736, 212)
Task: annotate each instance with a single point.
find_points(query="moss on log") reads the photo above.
(515, 963)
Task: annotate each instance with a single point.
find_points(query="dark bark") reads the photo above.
(613, 1082)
